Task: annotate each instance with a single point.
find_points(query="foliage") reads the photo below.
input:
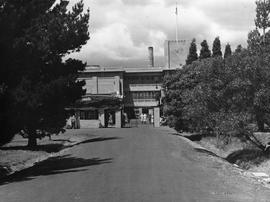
(35, 36)
(225, 96)
(254, 42)
(204, 52)
(262, 14)
(238, 49)
(228, 51)
(216, 50)
(192, 55)
(217, 97)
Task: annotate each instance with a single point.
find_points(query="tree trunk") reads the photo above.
(260, 122)
(32, 140)
(253, 139)
(218, 139)
(260, 125)
(259, 115)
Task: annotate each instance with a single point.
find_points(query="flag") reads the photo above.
(176, 11)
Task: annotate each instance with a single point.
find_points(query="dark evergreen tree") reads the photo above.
(255, 42)
(205, 52)
(228, 51)
(238, 49)
(262, 15)
(216, 49)
(36, 83)
(192, 55)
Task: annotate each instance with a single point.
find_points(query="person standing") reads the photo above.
(144, 118)
(73, 120)
(141, 118)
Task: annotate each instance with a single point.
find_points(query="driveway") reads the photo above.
(132, 164)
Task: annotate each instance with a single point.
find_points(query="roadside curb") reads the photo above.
(9, 170)
(197, 146)
(193, 144)
(259, 177)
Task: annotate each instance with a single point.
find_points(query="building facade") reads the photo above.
(116, 96)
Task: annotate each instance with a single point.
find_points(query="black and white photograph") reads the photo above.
(135, 100)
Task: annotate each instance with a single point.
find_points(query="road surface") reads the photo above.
(132, 164)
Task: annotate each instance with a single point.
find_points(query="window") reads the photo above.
(89, 115)
(145, 95)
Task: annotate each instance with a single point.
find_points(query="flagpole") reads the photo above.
(176, 21)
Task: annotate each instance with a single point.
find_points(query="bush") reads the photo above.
(217, 95)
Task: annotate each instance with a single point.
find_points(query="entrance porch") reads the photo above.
(98, 112)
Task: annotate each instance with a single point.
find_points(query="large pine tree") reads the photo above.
(238, 49)
(216, 49)
(262, 15)
(37, 84)
(205, 52)
(192, 55)
(228, 51)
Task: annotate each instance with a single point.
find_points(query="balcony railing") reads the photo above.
(141, 102)
(144, 100)
(142, 87)
(145, 84)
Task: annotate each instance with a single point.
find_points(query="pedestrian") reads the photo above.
(144, 118)
(73, 120)
(141, 118)
(152, 119)
(110, 119)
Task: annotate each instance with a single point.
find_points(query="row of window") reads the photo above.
(144, 95)
(89, 115)
(139, 79)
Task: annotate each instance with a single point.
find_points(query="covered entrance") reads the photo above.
(113, 118)
(98, 111)
(143, 116)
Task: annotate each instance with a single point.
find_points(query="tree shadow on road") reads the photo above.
(99, 139)
(50, 148)
(53, 166)
(55, 147)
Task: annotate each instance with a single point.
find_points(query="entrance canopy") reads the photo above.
(94, 102)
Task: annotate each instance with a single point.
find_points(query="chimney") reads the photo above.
(150, 57)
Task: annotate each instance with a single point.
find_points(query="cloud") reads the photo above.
(121, 30)
(137, 2)
(230, 13)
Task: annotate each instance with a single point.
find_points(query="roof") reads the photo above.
(143, 69)
(98, 69)
(103, 69)
(97, 102)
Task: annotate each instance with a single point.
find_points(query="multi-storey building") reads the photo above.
(117, 94)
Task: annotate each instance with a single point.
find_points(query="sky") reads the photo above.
(121, 30)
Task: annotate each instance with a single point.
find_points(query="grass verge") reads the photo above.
(240, 152)
(16, 156)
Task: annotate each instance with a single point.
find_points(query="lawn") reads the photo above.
(16, 155)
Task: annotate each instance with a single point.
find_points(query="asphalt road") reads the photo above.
(140, 165)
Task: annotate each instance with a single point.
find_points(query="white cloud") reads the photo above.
(121, 30)
(114, 42)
